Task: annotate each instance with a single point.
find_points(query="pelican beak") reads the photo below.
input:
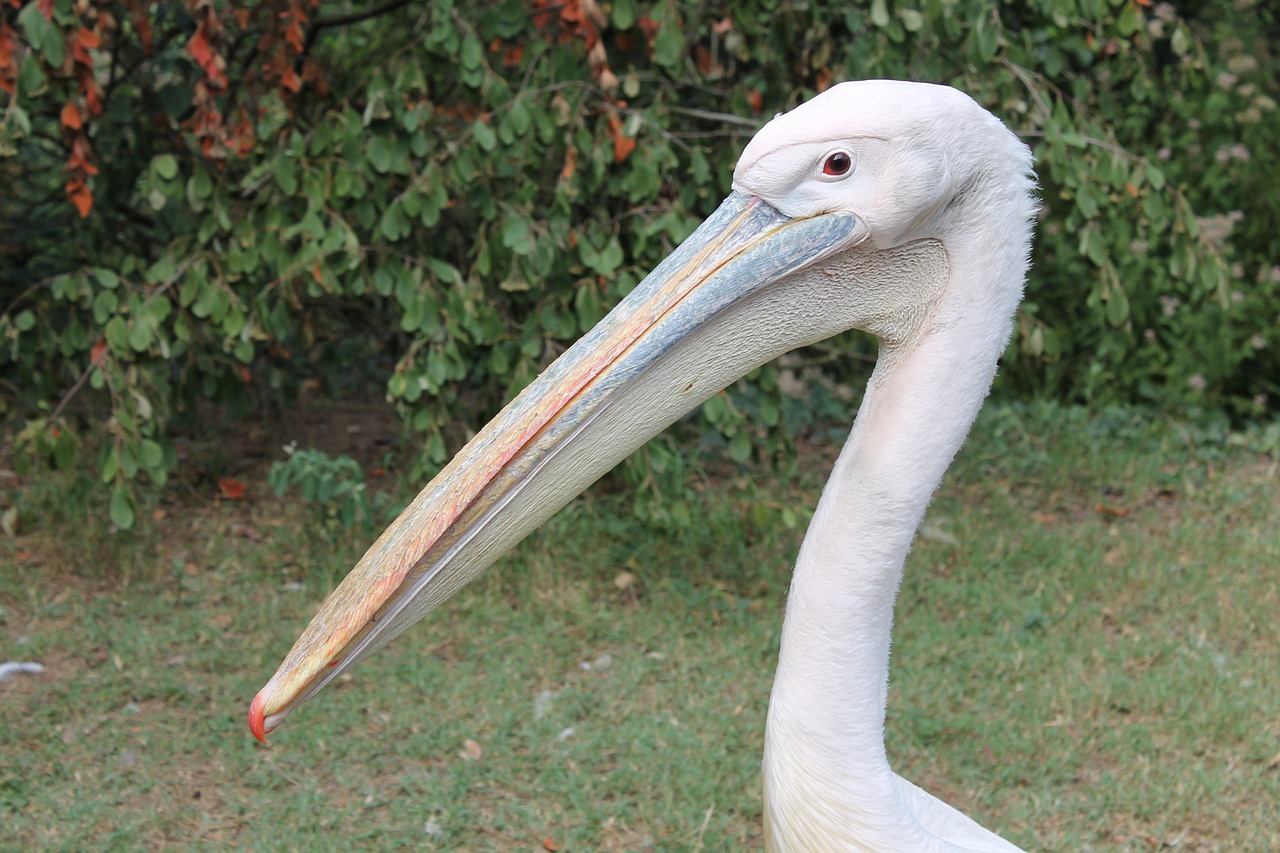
(678, 338)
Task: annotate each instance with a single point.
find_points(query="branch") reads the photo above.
(353, 18)
(726, 118)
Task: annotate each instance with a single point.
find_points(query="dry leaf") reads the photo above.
(1108, 511)
(231, 489)
(471, 750)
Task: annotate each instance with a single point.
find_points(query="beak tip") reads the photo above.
(257, 722)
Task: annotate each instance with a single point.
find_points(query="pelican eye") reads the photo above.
(837, 164)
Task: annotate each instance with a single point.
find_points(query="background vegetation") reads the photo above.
(210, 206)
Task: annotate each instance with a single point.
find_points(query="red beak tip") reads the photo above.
(257, 724)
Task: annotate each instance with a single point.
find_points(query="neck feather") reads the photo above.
(827, 780)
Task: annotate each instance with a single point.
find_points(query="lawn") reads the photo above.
(1085, 659)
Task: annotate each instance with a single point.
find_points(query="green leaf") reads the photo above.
(381, 152)
(109, 466)
(106, 277)
(152, 454)
(117, 334)
(517, 236)
(879, 13)
(485, 137)
(122, 515)
(624, 14)
(140, 335)
(668, 44)
(25, 321)
(1130, 19)
(472, 53)
(165, 166)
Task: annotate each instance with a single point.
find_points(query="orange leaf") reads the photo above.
(570, 164)
(622, 147)
(232, 490)
(756, 100)
(46, 9)
(293, 35)
(91, 98)
(549, 843)
(290, 80)
(82, 198)
(80, 156)
(198, 47)
(70, 115)
(98, 354)
(87, 38)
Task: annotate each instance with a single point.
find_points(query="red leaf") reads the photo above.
(138, 16)
(198, 47)
(290, 80)
(232, 490)
(293, 35)
(87, 38)
(91, 98)
(550, 843)
(46, 9)
(70, 116)
(98, 354)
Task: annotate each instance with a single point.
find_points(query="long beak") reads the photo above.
(706, 316)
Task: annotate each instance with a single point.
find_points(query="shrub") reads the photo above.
(218, 203)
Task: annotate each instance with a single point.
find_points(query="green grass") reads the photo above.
(1085, 659)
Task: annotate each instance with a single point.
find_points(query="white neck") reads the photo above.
(828, 785)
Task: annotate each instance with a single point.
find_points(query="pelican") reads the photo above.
(903, 209)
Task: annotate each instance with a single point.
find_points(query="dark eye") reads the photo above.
(837, 164)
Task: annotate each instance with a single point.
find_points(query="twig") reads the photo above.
(706, 819)
(727, 118)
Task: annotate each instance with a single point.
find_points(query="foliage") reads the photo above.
(333, 486)
(221, 202)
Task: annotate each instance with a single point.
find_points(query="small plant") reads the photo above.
(333, 486)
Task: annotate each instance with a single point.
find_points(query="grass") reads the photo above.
(1085, 659)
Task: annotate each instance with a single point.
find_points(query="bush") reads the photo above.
(217, 203)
